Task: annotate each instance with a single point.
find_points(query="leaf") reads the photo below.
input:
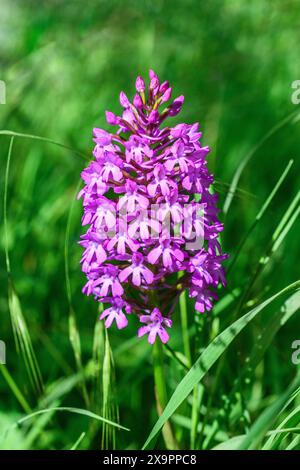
(73, 329)
(44, 139)
(247, 158)
(80, 411)
(231, 444)
(109, 405)
(291, 420)
(265, 338)
(77, 443)
(208, 358)
(260, 214)
(267, 418)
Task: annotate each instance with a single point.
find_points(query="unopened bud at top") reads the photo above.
(137, 101)
(154, 82)
(140, 85)
(176, 106)
(163, 87)
(167, 95)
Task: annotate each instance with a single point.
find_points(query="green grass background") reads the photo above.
(64, 64)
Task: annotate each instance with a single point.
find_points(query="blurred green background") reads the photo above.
(64, 64)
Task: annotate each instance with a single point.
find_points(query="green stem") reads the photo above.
(15, 389)
(188, 355)
(159, 376)
(161, 393)
(185, 327)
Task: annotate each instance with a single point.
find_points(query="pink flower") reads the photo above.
(169, 253)
(155, 324)
(140, 273)
(115, 313)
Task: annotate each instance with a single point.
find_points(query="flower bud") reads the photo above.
(140, 85)
(124, 101)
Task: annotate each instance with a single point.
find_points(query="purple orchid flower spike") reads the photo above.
(147, 238)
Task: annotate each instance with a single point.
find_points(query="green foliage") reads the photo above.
(227, 380)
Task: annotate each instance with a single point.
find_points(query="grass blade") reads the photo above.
(260, 214)
(44, 139)
(267, 418)
(208, 359)
(77, 443)
(73, 329)
(248, 157)
(15, 389)
(68, 409)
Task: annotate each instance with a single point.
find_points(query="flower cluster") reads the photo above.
(152, 219)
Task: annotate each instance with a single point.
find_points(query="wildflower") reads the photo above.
(115, 313)
(139, 203)
(155, 325)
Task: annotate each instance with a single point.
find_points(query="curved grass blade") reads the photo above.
(282, 230)
(44, 139)
(231, 444)
(79, 411)
(260, 215)
(267, 418)
(73, 329)
(15, 389)
(265, 338)
(248, 157)
(38, 427)
(291, 420)
(262, 343)
(208, 358)
(284, 430)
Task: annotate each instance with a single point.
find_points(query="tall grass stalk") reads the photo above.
(161, 393)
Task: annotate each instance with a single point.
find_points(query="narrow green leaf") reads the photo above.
(80, 411)
(73, 329)
(260, 214)
(289, 421)
(44, 139)
(15, 389)
(247, 158)
(267, 418)
(208, 359)
(77, 443)
(231, 444)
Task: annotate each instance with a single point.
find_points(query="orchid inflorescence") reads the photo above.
(146, 242)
